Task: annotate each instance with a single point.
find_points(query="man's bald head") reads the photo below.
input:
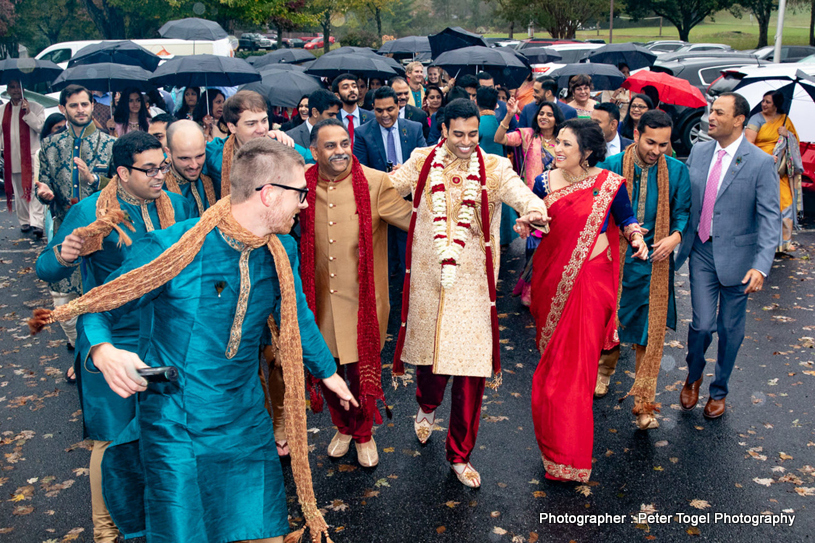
(187, 149)
(185, 129)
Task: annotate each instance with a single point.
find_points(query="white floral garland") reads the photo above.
(450, 251)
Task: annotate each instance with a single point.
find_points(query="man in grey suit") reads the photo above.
(321, 105)
(730, 243)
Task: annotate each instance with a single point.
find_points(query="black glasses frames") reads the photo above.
(152, 172)
(303, 192)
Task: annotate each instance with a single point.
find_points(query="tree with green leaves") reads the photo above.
(762, 10)
(683, 14)
(514, 12)
(562, 18)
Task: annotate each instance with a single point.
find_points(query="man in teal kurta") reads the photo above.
(652, 138)
(247, 118)
(187, 150)
(206, 458)
(106, 414)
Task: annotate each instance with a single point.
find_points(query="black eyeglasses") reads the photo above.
(152, 172)
(303, 192)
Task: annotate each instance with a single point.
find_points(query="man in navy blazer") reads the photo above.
(407, 111)
(607, 116)
(352, 116)
(385, 144)
(370, 145)
(544, 89)
(733, 230)
(321, 105)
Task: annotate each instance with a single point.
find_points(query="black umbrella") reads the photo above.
(505, 68)
(117, 52)
(284, 88)
(348, 49)
(281, 68)
(359, 64)
(204, 71)
(603, 76)
(282, 56)
(407, 47)
(453, 38)
(634, 56)
(105, 77)
(192, 28)
(28, 71)
(541, 55)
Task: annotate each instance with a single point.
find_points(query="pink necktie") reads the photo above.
(712, 188)
(351, 128)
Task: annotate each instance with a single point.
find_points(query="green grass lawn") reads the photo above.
(725, 28)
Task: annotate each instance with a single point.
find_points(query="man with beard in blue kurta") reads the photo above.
(135, 197)
(647, 302)
(209, 466)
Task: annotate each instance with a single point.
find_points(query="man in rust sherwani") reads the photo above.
(344, 266)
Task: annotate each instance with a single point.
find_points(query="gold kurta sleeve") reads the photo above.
(406, 177)
(391, 206)
(514, 192)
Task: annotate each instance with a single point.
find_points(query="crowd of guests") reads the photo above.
(619, 207)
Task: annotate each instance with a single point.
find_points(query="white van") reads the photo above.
(61, 53)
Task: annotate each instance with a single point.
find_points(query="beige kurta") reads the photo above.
(336, 240)
(450, 329)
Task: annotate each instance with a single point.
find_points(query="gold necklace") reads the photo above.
(572, 179)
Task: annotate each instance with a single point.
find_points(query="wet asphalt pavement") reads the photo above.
(757, 459)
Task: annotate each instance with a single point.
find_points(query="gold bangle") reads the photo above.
(502, 125)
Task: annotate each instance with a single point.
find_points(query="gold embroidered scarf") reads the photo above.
(645, 382)
(172, 182)
(109, 214)
(136, 283)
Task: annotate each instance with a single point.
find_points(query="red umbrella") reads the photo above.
(672, 90)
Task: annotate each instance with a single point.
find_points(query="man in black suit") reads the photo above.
(321, 105)
(385, 145)
(544, 89)
(353, 116)
(607, 115)
(407, 111)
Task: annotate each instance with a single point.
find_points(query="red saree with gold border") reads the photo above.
(573, 302)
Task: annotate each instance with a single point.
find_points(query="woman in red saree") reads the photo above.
(574, 294)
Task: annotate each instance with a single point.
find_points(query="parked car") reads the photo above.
(571, 53)
(317, 43)
(699, 72)
(660, 47)
(703, 47)
(544, 42)
(729, 80)
(293, 43)
(501, 42)
(250, 41)
(789, 53)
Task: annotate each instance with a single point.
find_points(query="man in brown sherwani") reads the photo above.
(344, 265)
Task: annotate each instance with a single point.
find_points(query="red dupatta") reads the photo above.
(25, 156)
(578, 213)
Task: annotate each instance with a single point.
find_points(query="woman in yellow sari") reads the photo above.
(766, 129)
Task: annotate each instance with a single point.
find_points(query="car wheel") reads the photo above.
(690, 134)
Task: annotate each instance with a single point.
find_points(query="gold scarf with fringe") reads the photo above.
(136, 283)
(109, 214)
(645, 382)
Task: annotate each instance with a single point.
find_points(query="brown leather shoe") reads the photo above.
(690, 394)
(714, 408)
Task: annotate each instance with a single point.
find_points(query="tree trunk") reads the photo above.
(378, 14)
(684, 33)
(763, 28)
(107, 19)
(279, 36)
(326, 24)
(812, 25)
(512, 26)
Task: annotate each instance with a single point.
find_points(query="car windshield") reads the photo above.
(724, 84)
